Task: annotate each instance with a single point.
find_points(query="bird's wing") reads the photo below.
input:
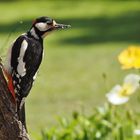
(25, 61)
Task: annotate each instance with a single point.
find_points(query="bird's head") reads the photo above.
(42, 26)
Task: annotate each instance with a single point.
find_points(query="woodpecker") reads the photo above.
(24, 58)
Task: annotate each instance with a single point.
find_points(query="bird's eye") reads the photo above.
(49, 22)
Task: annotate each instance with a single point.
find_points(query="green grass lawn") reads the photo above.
(71, 75)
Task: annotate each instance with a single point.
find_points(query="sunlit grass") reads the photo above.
(64, 9)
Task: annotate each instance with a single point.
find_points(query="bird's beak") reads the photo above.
(61, 26)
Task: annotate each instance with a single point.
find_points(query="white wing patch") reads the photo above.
(21, 64)
(41, 26)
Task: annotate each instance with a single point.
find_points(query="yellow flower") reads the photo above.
(130, 58)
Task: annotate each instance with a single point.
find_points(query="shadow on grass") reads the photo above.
(94, 30)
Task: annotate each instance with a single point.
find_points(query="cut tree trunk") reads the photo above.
(10, 126)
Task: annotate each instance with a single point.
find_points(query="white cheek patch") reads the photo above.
(54, 22)
(21, 64)
(41, 26)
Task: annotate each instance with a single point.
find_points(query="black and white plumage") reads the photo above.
(25, 56)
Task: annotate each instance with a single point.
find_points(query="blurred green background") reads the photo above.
(80, 64)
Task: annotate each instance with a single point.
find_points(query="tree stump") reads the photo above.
(10, 126)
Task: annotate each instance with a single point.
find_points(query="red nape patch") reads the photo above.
(34, 21)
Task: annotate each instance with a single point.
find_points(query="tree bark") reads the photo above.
(10, 126)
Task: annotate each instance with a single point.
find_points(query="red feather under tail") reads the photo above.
(10, 84)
